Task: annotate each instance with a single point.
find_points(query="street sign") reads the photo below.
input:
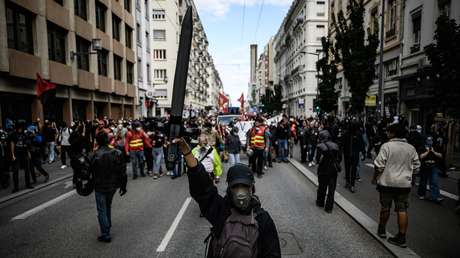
(370, 101)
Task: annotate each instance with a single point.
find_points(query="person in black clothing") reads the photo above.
(109, 169)
(282, 137)
(79, 144)
(239, 201)
(4, 157)
(20, 155)
(327, 158)
(35, 143)
(304, 137)
(353, 145)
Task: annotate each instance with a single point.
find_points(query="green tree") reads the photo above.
(444, 55)
(356, 53)
(327, 69)
(272, 100)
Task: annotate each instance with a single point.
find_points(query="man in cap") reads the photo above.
(237, 215)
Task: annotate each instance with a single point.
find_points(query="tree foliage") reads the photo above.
(444, 55)
(356, 53)
(272, 100)
(327, 69)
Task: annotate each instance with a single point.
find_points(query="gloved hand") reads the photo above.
(123, 191)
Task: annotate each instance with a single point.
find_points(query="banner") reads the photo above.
(223, 103)
(46, 91)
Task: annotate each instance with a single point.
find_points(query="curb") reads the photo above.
(36, 188)
(357, 215)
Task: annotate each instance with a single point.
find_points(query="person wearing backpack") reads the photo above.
(328, 160)
(240, 227)
(108, 167)
(63, 140)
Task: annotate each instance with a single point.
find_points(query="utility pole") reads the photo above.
(380, 107)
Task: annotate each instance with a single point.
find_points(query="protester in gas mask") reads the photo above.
(209, 157)
(237, 215)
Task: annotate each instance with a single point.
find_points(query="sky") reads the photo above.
(229, 39)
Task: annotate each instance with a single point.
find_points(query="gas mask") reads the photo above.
(241, 197)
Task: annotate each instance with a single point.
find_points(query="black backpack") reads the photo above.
(84, 177)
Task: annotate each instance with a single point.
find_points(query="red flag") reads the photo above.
(43, 86)
(241, 100)
(223, 103)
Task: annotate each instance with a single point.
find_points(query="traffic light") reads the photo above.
(316, 106)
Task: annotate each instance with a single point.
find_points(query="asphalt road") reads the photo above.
(144, 215)
(434, 229)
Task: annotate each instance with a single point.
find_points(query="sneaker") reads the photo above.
(313, 163)
(421, 197)
(155, 177)
(328, 211)
(265, 168)
(63, 166)
(150, 173)
(439, 200)
(104, 239)
(381, 232)
(352, 189)
(398, 240)
(259, 176)
(309, 165)
(321, 205)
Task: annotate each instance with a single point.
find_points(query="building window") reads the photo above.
(116, 27)
(161, 93)
(147, 42)
(391, 68)
(128, 36)
(159, 54)
(117, 67)
(391, 25)
(129, 72)
(159, 14)
(19, 27)
(128, 5)
(56, 43)
(444, 7)
(138, 5)
(159, 35)
(159, 74)
(373, 21)
(100, 16)
(138, 34)
(80, 9)
(102, 57)
(146, 10)
(139, 70)
(83, 47)
(416, 31)
(148, 73)
(61, 2)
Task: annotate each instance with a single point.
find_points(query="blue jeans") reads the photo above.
(282, 150)
(431, 175)
(177, 171)
(311, 152)
(52, 155)
(104, 211)
(137, 161)
(158, 156)
(233, 158)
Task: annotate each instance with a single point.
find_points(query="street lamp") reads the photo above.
(96, 46)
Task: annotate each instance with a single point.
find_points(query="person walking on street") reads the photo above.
(328, 160)
(313, 133)
(233, 146)
(353, 146)
(134, 147)
(49, 133)
(35, 144)
(209, 157)
(304, 136)
(159, 142)
(64, 135)
(109, 170)
(429, 172)
(237, 215)
(282, 136)
(394, 165)
(258, 140)
(20, 155)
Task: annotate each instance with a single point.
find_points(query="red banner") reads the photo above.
(43, 86)
(241, 100)
(223, 103)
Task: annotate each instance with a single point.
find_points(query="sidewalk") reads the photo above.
(56, 175)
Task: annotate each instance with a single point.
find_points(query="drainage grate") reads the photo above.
(289, 244)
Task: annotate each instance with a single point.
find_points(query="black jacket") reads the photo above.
(216, 209)
(233, 144)
(109, 169)
(327, 152)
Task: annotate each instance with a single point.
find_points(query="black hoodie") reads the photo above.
(217, 209)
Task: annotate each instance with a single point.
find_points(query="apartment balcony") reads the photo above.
(23, 64)
(105, 84)
(60, 73)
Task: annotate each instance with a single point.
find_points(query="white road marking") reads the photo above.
(172, 229)
(358, 215)
(44, 206)
(68, 184)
